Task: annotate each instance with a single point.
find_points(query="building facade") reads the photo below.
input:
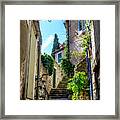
(59, 53)
(29, 37)
(76, 29)
(96, 24)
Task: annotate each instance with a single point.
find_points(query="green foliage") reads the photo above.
(48, 63)
(66, 51)
(78, 83)
(84, 53)
(85, 40)
(86, 37)
(67, 66)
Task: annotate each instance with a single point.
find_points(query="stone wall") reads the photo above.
(23, 56)
(22, 79)
(46, 78)
(74, 42)
(29, 34)
(49, 79)
(32, 65)
(59, 74)
(23, 40)
(96, 24)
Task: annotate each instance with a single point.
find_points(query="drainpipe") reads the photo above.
(68, 39)
(38, 69)
(89, 73)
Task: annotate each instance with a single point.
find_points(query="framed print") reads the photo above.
(60, 59)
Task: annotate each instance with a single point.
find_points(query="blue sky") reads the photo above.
(48, 29)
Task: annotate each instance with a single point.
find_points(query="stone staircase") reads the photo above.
(61, 92)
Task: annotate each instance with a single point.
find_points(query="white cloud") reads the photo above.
(47, 42)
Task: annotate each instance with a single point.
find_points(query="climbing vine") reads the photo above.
(68, 67)
(78, 84)
(86, 37)
(48, 63)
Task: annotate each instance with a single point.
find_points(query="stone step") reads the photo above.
(58, 97)
(58, 94)
(58, 91)
(63, 82)
(62, 86)
(61, 92)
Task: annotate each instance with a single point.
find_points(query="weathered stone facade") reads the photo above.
(74, 43)
(22, 79)
(45, 77)
(59, 74)
(23, 56)
(31, 67)
(29, 35)
(96, 24)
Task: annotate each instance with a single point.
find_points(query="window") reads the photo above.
(79, 25)
(83, 25)
(59, 57)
